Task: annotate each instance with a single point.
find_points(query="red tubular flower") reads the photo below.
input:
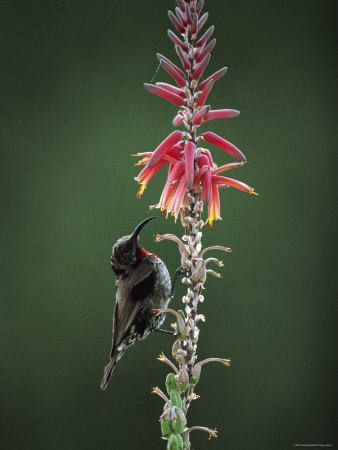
(206, 51)
(177, 69)
(173, 73)
(201, 42)
(199, 116)
(191, 169)
(206, 179)
(171, 88)
(225, 181)
(221, 114)
(218, 141)
(200, 6)
(200, 68)
(177, 41)
(183, 57)
(168, 142)
(202, 21)
(204, 94)
(189, 157)
(177, 24)
(215, 76)
(173, 98)
(178, 120)
(172, 156)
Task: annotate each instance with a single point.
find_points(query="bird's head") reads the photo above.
(127, 249)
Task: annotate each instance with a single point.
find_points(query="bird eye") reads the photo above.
(126, 248)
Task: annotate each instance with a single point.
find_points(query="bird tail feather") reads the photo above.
(108, 370)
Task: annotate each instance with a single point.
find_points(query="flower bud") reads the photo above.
(175, 348)
(183, 380)
(175, 442)
(175, 398)
(195, 374)
(170, 382)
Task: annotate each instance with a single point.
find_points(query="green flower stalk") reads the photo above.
(193, 183)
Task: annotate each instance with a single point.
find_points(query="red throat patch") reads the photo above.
(145, 252)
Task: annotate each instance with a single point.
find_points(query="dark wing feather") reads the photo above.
(124, 314)
(141, 290)
(126, 310)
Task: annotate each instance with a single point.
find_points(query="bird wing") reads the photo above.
(127, 308)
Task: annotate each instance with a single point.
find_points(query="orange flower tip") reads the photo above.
(253, 192)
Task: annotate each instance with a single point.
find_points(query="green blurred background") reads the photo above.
(73, 111)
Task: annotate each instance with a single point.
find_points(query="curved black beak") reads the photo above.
(140, 226)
